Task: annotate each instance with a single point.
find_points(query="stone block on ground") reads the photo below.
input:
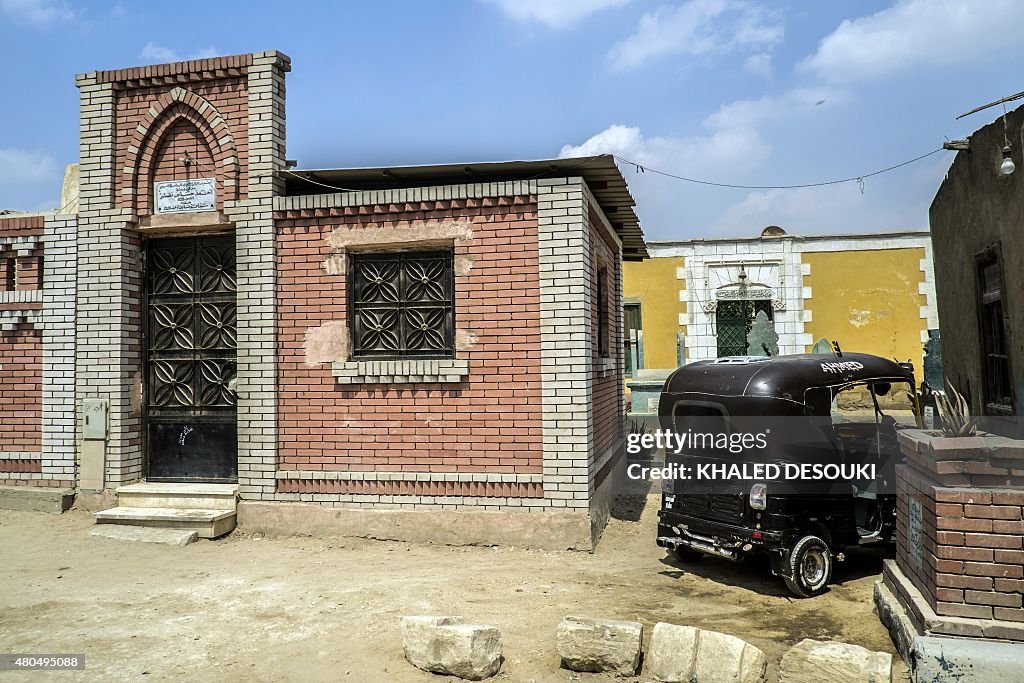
(446, 645)
(812, 661)
(599, 645)
(672, 652)
(36, 499)
(143, 534)
(682, 654)
(728, 659)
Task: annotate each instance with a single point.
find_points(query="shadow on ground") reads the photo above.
(754, 572)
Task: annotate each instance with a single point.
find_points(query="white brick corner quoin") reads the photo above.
(566, 381)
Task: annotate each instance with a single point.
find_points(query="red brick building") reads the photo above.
(428, 352)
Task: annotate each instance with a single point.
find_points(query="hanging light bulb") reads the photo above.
(1007, 167)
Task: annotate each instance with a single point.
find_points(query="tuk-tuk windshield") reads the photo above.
(870, 401)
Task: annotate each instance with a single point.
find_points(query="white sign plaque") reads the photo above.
(915, 534)
(183, 196)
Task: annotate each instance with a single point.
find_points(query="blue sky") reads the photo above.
(733, 91)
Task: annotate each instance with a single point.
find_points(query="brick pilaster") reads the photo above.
(566, 345)
(59, 278)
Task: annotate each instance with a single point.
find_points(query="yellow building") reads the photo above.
(697, 299)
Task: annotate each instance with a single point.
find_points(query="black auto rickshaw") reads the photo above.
(805, 471)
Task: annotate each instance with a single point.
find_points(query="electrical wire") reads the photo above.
(317, 182)
(859, 179)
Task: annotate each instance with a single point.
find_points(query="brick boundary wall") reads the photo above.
(959, 567)
(21, 352)
(36, 446)
(973, 561)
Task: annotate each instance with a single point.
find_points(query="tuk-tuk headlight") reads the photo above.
(759, 496)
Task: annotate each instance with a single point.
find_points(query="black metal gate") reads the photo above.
(733, 319)
(191, 352)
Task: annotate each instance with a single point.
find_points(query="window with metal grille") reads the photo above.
(632, 322)
(602, 313)
(733, 320)
(996, 375)
(402, 305)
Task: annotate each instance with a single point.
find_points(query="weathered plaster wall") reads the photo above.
(976, 207)
(868, 301)
(861, 289)
(490, 422)
(656, 284)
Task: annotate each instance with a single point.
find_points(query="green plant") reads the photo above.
(954, 414)
(640, 427)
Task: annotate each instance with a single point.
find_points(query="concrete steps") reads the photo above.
(174, 495)
(206, 509)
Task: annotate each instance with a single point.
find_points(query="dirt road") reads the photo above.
(245, 608)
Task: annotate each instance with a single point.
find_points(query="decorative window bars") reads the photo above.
(402, 304)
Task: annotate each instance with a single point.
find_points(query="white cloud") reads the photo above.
(160, 54)
(719, 150)
(37, 12)
(790, 103)
(18, 166)
(697, 27)
(913, 33)
(556, 14)
(759, 64)
(660, 206)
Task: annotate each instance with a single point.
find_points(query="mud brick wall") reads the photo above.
(607, 393)
(223, 110)
(488, 423)
(960, 527)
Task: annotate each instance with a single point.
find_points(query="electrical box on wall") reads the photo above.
(94, 425)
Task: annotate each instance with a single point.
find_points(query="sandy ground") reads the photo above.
(246, 608)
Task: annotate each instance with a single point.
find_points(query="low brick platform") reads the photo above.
(959, 568)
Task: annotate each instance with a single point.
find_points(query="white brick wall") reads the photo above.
(566, 345)
(59, 280)
(109, 278)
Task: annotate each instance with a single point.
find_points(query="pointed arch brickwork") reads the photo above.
(150, 134)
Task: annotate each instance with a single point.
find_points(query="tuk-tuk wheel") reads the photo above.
(684, 554)
(809, 566)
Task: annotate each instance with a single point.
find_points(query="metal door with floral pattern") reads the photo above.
(191, 352)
